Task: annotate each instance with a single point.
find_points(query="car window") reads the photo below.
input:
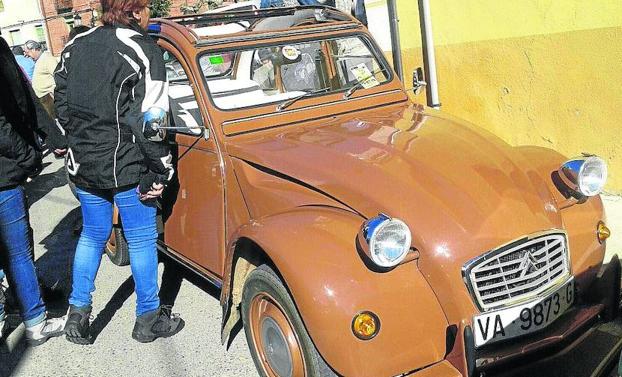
(269, 74)
(348, 55)
(174, 70)
(216, 64)
(184, 109)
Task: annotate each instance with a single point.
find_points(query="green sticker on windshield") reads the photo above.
(216, 59)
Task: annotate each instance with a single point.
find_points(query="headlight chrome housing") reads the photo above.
(585, 175)
(385, 240)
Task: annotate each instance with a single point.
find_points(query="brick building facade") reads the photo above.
(62, 14)
(176, 4)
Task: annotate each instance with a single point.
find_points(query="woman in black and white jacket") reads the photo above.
(108, 80)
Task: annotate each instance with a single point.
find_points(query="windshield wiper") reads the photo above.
(285, 104)
(359, 85)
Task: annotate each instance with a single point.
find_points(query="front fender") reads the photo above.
(580, 220)
(314, 250)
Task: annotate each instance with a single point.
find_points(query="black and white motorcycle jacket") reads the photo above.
(106, 79)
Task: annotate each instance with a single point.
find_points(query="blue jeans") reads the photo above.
(138, 219)
(16, 251)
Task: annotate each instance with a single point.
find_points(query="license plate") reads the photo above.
(523, 319)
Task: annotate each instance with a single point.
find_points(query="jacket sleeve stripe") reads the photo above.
(155, 90)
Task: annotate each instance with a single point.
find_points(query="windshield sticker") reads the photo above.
(364, 76)
(290, 52)
(216, 59)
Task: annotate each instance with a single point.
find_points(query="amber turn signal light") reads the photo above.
(365, 325)
(602, 232)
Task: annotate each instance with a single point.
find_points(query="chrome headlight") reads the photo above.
(585, 175)
(386, 241)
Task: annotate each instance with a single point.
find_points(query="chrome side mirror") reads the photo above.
(155, 126)
(418, 81)
(155, 123)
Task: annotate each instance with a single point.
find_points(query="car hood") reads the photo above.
(461, 190)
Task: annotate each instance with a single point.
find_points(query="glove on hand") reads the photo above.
(147, 180)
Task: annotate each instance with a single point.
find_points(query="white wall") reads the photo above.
(21, 16)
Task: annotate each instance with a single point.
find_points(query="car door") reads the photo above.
(193, 205)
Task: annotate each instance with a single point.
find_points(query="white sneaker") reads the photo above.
(49, 328)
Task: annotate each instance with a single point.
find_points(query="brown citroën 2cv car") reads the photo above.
(356, 233)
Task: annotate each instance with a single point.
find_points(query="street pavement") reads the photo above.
(196, 351)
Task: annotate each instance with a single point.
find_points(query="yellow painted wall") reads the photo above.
(543, 72)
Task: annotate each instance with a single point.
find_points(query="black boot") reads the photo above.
(78, 324)
(160, 323)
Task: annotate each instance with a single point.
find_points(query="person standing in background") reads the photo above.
(26, 63)
(20, 157)
(43, 76)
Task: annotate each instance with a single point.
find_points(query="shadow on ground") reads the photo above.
(172, 277)
(117, 300)
(42, 184)
(11, 356)
(54, 266)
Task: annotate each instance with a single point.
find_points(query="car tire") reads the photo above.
(116, 247)
(270, 316)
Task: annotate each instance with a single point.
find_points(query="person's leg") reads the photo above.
(138, 219)
(15, 243)
(97, 224)
(48, 104)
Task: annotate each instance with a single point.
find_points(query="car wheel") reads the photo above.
(116, 247)
(276, 336)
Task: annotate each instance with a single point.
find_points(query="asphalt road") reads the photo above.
(196, 351)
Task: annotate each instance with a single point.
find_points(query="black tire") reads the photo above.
(118, 252)
(263, 280)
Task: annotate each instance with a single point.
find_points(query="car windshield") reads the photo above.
(277, 73)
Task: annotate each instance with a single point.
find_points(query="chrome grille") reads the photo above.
(518, 271)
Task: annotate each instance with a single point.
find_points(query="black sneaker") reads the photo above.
(160, 323)
(77, 326)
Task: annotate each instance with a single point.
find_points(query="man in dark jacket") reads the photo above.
(20, 157)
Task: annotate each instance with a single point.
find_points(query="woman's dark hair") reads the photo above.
(120, 11)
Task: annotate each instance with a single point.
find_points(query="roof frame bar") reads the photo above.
(247, 14)
(273, 34)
